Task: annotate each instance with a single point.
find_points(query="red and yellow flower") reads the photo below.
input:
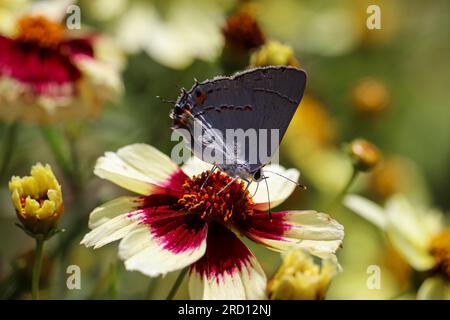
(49, 73)
(178, 222)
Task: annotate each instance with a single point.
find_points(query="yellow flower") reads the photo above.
(274, 53)
(300, 278)
(37, 200)
(370, 96)
(418, 234)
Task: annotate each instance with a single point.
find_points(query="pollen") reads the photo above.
(40, 31)
(440, 249)
(218, 199)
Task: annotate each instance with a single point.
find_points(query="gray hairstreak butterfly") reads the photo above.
(236, 123)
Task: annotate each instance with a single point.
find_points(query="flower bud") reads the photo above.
(365, 155)
(300, 278)
(242, 34)
(37, 200)
(274, 53)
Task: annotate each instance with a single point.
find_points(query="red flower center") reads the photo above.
(218, 199)
(40, 31)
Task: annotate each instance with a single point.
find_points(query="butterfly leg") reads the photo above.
(246, 188)
(228, 184)
(209, 175)
(268, 197)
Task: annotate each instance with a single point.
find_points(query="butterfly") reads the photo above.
(258, 103)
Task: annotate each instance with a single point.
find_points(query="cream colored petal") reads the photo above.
(112, 230)
(434, 288)
(112, 209)
(103, 78)
(417, 256)
(366, 209)
(137, 167)
(279, 188)
(247, 283)
(52, 9)
(194, 166)
(143, 253)
(313, 231)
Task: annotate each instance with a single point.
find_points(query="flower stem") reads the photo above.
(37, 268)
(177, 284)
(55, 143)
(9, 140)
(344, 190)
(113, 281)
(150, 288)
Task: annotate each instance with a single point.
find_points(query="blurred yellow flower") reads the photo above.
(310, 144)
(370, 96)
(37, 200)
(274, 53)
(396, 174)
(312, 122)
(9, 11)
(418, 234)
(300, 278)
(176, 37)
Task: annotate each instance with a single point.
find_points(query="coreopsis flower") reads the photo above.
(176, 223)
(418, 234)
(37, 200)
(274, 53)
(49, 73)
(300, 278)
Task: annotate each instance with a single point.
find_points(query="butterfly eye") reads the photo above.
(257, 175)
(200, 96)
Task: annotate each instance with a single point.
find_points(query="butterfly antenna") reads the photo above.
(268, 198)
(165, 100)
(296, 183)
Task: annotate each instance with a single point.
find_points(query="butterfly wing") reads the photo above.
(262, 98)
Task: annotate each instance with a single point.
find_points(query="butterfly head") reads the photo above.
(183, 106)
(257, 175)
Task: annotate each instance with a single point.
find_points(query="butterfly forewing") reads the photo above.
(263, 98)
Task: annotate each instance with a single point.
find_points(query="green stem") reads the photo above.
(9, 141)
(344, 190)
(113, 279)
(55, 143)
(150, 288)
(37, 268)
(177, 284)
